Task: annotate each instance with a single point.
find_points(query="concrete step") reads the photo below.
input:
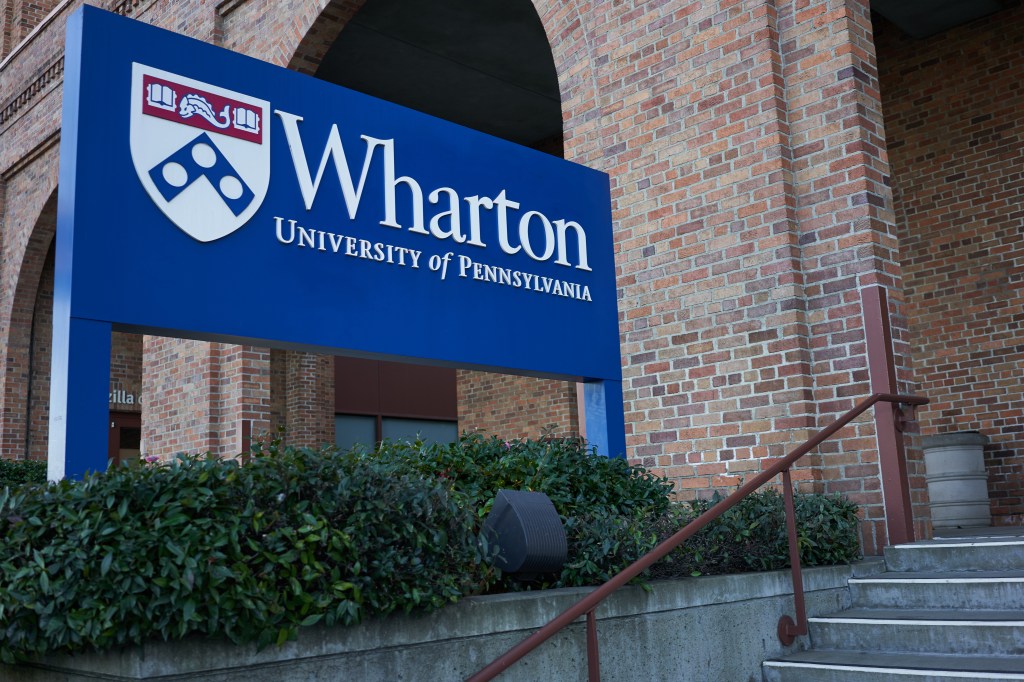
(966, 554)
(864, 666)
(955, 631)
(940, 590)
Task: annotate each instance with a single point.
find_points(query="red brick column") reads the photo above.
(178, 380)
(309, 399)
(848, 235)
(745, 147)
(244, 396)
(198, 394)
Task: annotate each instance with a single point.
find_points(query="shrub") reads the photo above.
(15, 472)
(752, 535)
(295, 537)
(597, 497)
(206, 546)
(614, 512)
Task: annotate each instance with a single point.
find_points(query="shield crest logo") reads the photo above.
(202, 152)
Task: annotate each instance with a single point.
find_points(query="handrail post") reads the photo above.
(593, 659)
(899, 514)
(788, 630)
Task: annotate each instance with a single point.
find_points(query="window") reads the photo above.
(375, 400)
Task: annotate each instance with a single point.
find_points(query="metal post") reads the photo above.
(788, 628)
(899, 516)
(593, 660)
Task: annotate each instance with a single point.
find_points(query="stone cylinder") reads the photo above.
(957, 481)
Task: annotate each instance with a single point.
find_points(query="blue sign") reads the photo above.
(241, 202)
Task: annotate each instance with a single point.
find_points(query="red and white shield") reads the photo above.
(202, 152)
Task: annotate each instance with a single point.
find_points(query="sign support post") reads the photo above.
(78, 397)
(604, 417)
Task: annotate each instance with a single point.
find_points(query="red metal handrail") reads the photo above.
(788, 628)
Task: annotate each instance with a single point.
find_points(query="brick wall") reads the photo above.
(953, 105)
(516, 407)
(41, 345)
(29, 223)
(21, 16)
(29, 119)
(126, 369)
(6, 27)
(278, 392)
(198, 395)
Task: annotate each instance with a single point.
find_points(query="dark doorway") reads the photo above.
(125, 439)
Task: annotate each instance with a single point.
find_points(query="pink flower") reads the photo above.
(508, 446)
(150, 459)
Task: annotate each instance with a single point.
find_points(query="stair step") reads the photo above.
(864, 666)
(937, 590)
(949, 609)
(967, 554)
(958, 631)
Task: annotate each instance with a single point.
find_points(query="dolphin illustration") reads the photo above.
(193, 104)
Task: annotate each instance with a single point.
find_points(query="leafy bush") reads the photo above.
(752, 535)
(207, 546)
(15, 472)
(594, 495)
(614, 512)
(295, 537)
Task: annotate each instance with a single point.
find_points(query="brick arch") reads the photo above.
(321, 34)
(19, 361)
(570, 37)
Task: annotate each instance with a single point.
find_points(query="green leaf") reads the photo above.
(282, 636)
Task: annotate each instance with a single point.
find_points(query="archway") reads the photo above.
(26, 379)
(486, 65)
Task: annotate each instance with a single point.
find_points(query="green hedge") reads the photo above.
(15, 472)
(205, 546)
(614, 513)
(295, 537)
(752, 535)
(582, 486)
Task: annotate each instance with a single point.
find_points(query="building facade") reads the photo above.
(769, 160)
